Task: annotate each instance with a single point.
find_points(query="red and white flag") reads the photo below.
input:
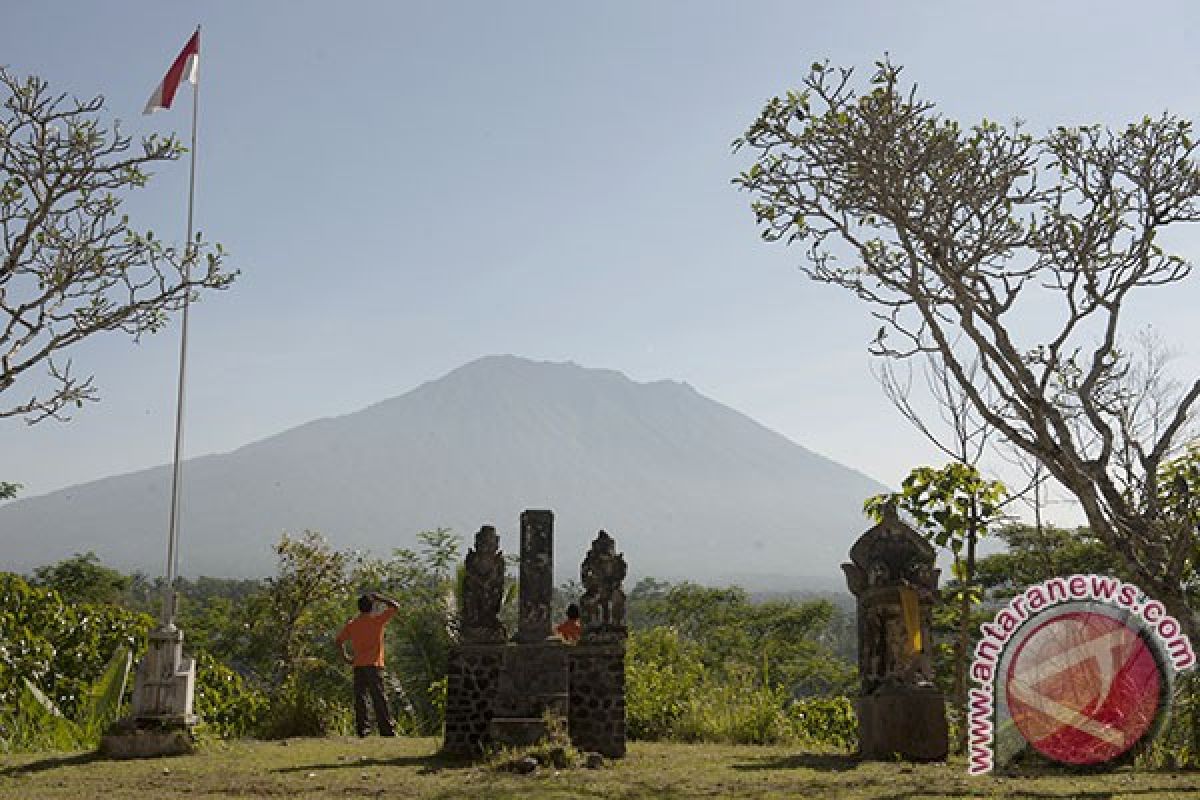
(185, 67)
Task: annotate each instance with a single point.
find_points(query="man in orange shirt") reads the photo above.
(364, 634)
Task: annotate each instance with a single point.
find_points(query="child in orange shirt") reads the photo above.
(569, 629)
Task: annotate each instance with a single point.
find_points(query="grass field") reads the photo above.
(408, 768)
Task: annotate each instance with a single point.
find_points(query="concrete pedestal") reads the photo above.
(905, 722)
(147, 744)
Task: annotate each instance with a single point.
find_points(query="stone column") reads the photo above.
(537, 576)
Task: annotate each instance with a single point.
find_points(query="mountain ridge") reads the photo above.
(688, 486)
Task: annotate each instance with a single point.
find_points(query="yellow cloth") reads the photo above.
(912, 617)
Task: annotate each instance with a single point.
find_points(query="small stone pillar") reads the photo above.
(596, 715)
(893, 579)
(536, 585)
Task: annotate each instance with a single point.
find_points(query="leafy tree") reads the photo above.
(8, 491)
(83, 579)
(1037, 554)
(71, 264)
(953, 507)
(952, 236)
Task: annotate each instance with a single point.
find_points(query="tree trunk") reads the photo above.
(964, 637)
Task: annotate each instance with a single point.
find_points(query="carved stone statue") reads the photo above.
(602, 607)
(893, 578)
(483, 590)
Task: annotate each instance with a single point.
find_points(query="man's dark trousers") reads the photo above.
(369, 680)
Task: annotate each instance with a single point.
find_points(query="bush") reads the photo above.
(825, 722)
(662, 673)
(733, 714)
(226, 705)
(60, 647)
(299, 708)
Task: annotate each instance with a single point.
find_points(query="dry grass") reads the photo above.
(408, 768)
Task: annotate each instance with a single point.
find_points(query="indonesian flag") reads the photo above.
(185, 67)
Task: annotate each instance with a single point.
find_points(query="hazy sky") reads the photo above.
(409, 186)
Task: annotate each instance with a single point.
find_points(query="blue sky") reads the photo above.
(409, 186)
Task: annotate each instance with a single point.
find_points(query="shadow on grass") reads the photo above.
(428, 764)
(827, 762)
(53, 763)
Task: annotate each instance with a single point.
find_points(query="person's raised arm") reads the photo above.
(382, 598)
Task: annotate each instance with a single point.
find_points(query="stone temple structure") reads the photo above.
(501, 690)
(900, 710)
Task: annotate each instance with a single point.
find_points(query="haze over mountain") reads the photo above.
(687, 486)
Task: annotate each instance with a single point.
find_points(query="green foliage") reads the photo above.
(735, 714)
(57, 645)
(8, 491)
(35, 723)
(82, 579)
(825, 722)
(301, 706)
(1036, 554)
(949, 504)
(226, 705)
(1177, 745)
(671, 694)
(777, 640)
(662, 673)
(707, 664)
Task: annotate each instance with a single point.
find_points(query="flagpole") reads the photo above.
(172, 569)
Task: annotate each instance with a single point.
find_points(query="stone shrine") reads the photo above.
(894, 581)
(596, 713)
(501, 692)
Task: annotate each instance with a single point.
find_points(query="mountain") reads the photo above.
(688, 487)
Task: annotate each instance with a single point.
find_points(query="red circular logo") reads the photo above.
(1083, 687)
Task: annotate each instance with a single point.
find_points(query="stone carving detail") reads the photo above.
(893, 578)
(602, 607)
(536, 586)
(483, 590)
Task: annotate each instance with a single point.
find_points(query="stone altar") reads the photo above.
(894, 581)
(501, 692)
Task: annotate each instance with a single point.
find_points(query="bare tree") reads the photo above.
(960, 238)
(71, 266)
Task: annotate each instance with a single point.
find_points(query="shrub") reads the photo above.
(734, 714)
(299, 708)
(226, 705)
(825, 722)
(662, 672)
(59, 647)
